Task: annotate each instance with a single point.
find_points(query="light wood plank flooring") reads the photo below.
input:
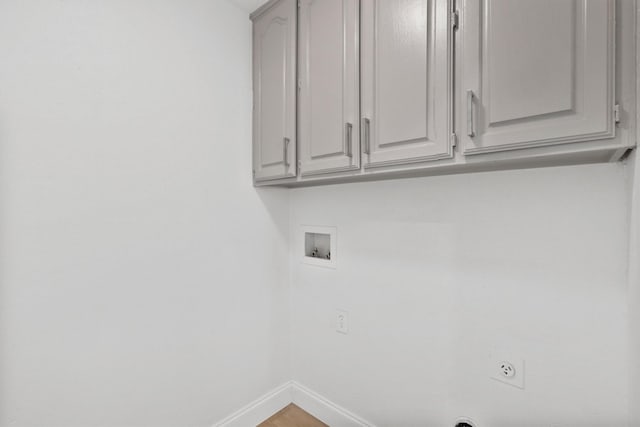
(292, 416)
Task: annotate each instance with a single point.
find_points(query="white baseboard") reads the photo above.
(292, 392)
(260, 409)
(324, 409)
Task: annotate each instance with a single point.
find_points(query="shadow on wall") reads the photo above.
(276, 203)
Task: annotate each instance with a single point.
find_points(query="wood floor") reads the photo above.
(292, 416)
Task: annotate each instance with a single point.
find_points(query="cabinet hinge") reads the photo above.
(454, 140)
(616, 113)
(299, 3)
(299, 84)
(299, 165)
(455, 20)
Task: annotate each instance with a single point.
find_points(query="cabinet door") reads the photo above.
(535, 73)
(274, 91)
(329, 86)
(406, 81)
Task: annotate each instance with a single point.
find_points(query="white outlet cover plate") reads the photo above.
(493, 367)
(342, 321)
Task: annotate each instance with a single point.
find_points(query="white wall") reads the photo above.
(634, 290)
(142, 280)
(249, 5)
(634, 268)
(437, 273)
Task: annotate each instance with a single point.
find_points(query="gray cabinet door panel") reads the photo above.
(536, 72)
(406, 81)
(274, 86)
(329, 86)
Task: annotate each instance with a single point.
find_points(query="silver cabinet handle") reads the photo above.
(366, 124)
(348, 140)
(285, 151)
(470, 122)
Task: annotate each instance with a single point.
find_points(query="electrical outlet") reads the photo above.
(508, 371)
(342, 322)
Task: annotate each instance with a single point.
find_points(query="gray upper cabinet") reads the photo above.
(406, 81)
(328, 99)
(274, 90)
(536, 73)
(362, 89)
